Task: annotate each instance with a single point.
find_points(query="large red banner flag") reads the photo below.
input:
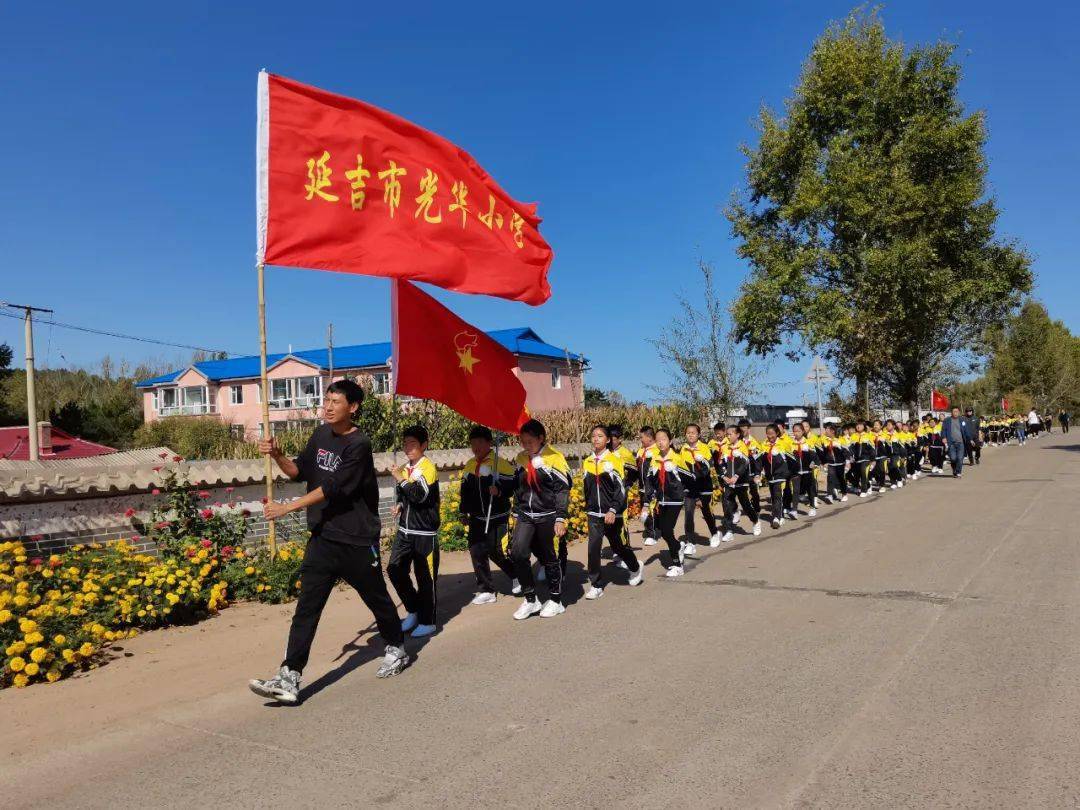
(437, 355)
(938, 401)
(345, 186)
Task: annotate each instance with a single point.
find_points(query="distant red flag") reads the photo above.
(439, 356)
(1004, 404)
(345, 186)
(938, 401)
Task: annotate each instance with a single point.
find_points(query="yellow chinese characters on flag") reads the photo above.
(346, 186)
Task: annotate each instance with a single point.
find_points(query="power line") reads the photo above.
(124, 337)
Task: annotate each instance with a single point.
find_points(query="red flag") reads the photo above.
(938, 401)
(345, 186)
(439, 356)
(1004, 405)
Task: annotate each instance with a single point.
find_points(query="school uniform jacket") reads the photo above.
(418, 496)
(775, 466)
(542, 486)
(476, 481)
(804, 456)
(668, 478)
(833, 452)
(862, 446)
(699, 460)
(735, 462)
(604, 487)
(629, 462)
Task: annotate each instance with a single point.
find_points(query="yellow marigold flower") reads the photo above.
(16, 648)
(5, 616)
(27, 625)
(69, 655)
(20, 681)
(59, 639)
(17, 664)
(86, 649)
(37, 655)
(249, 571)
(31, 669)
(52, 676)
(33, 638)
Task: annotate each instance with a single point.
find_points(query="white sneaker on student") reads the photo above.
(757, 528)
(409, 622)
(527, 609)
(594, 593)
(737, 516)
(728, 536)
(649, 541)
(675, 571)
(515, 588)
(812, 512)
(714, 541)
(422, 630)
(776, 523)
(637, 577)
(283, 687)
(843, 499)
(551, 609)
(863, 494)
(484, 598)
(689, 550)
(893, 486)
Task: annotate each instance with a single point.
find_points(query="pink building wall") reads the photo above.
(535, 374)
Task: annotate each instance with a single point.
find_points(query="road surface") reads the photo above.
(918, 649)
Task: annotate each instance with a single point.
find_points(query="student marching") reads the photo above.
(517, 511)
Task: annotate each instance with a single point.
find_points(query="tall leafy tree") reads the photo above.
(1035, 355)
(865, 217)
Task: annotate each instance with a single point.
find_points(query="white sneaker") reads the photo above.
(409, 622)
(515, 588)
(484, 598)
(812, 512)
(422, 630)
(621, 563)
(639, 577)
(551, 609)
(893, 486)
(776, 523)
(675, 571)
(727, 536)
(594, 593)
(714, 541)
(862, 494)
(649, 541)
(793, 514)
(527, 609)
(843, 499)
(757, 528)
(899, 484)
(737, 516)
(689, 550)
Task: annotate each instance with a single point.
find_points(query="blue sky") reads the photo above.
(127, 144)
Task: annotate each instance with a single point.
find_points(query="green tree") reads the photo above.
(1035, 355)
(865, 217)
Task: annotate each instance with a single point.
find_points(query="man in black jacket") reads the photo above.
(974, 445)
(342, 504)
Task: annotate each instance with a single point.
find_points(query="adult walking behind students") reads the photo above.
(342, 504)
(955, 431)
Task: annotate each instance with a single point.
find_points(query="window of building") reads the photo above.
(296, 392)
(237, 432)
(380, 382)
(236, 395)
(556, 377)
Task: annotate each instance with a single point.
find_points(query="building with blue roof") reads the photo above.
(554, 379)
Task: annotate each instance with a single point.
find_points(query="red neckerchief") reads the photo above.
(662, 475)
(531, 478)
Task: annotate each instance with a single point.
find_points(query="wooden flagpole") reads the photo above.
(269, 463)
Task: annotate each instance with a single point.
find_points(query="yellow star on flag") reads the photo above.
(466, 360)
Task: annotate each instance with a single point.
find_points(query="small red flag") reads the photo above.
(938, 401)
(1004, 404)
(345, 186)
(439, 356)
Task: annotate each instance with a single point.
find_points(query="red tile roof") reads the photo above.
(15, 445)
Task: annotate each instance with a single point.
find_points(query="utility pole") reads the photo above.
(819, 373)
(31, 394)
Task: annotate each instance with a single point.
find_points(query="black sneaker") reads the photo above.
(283, 687)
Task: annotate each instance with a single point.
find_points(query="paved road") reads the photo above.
(920, 649)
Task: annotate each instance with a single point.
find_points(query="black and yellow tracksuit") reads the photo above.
(804, 475)
(935, 447)
(541, 498)
(643, 458)
(775, 473)
(863, 453)
(604, 489)
(667, 481)
(416, 545)
(699, 458)
(487, 516)
(735, 461)
(834, 454)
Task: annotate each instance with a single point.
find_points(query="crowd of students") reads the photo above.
(518, 511)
